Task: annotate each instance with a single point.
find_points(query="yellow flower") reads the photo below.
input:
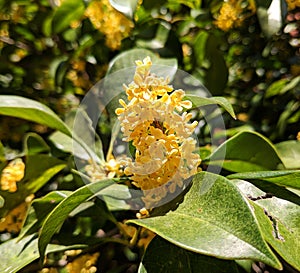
(232, 14)
(13, 221)
(11, 174)
(161, 133)
(84, 263)
(293, 4)
(113, 24)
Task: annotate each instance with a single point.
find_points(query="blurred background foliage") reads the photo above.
(246, 50)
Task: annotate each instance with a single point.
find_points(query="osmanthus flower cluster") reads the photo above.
(161, 132)
(233, 13)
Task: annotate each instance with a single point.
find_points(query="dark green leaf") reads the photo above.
(283, 178)
(202, 101)
(289, 152)
(31, 110)
(200, 47)
(66, 13)
(2, 154)
(163, 257)
(39, 209)
(245, 152)
(35, 144)
(217, 73)
(214, 219)
(58, 215)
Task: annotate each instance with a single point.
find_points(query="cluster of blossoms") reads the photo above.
(232, 14)
(11, 174)
(154, 122)
(113, 24)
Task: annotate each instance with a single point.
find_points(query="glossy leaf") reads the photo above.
(39, 210)
(66, 13)
(39, 169)
(68, 145)
(35, 144)
(31, 110)
(279, 221)
(115, 196)
(126, 7)
(283, 178)
(215, 221)
(289, 152)
(221, 101)
(58, 215)
(15, 254)
(164, 257)
(245, 152)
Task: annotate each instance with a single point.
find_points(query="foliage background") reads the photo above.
(55, 51)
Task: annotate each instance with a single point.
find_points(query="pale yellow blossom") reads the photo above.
(113, 24)
(11, 174)
(154, 121)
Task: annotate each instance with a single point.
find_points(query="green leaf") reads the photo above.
(282, 86)
(15, 254)
(58, 215)
(39, 210)
(200, 47)
(2, 201)
(115, 197)
(279, 221)
(202, 101)
(68, 145)
(163, 257)
(246, 151)
(126, 7)
(31, 110)
(279, 235)
(289, 152)
(2, 154)
(35, 144)
(214, 219)
(82, 127)
(212, 60)
(66, 13)
(39, 169)
(283, 178)
(85, 143)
